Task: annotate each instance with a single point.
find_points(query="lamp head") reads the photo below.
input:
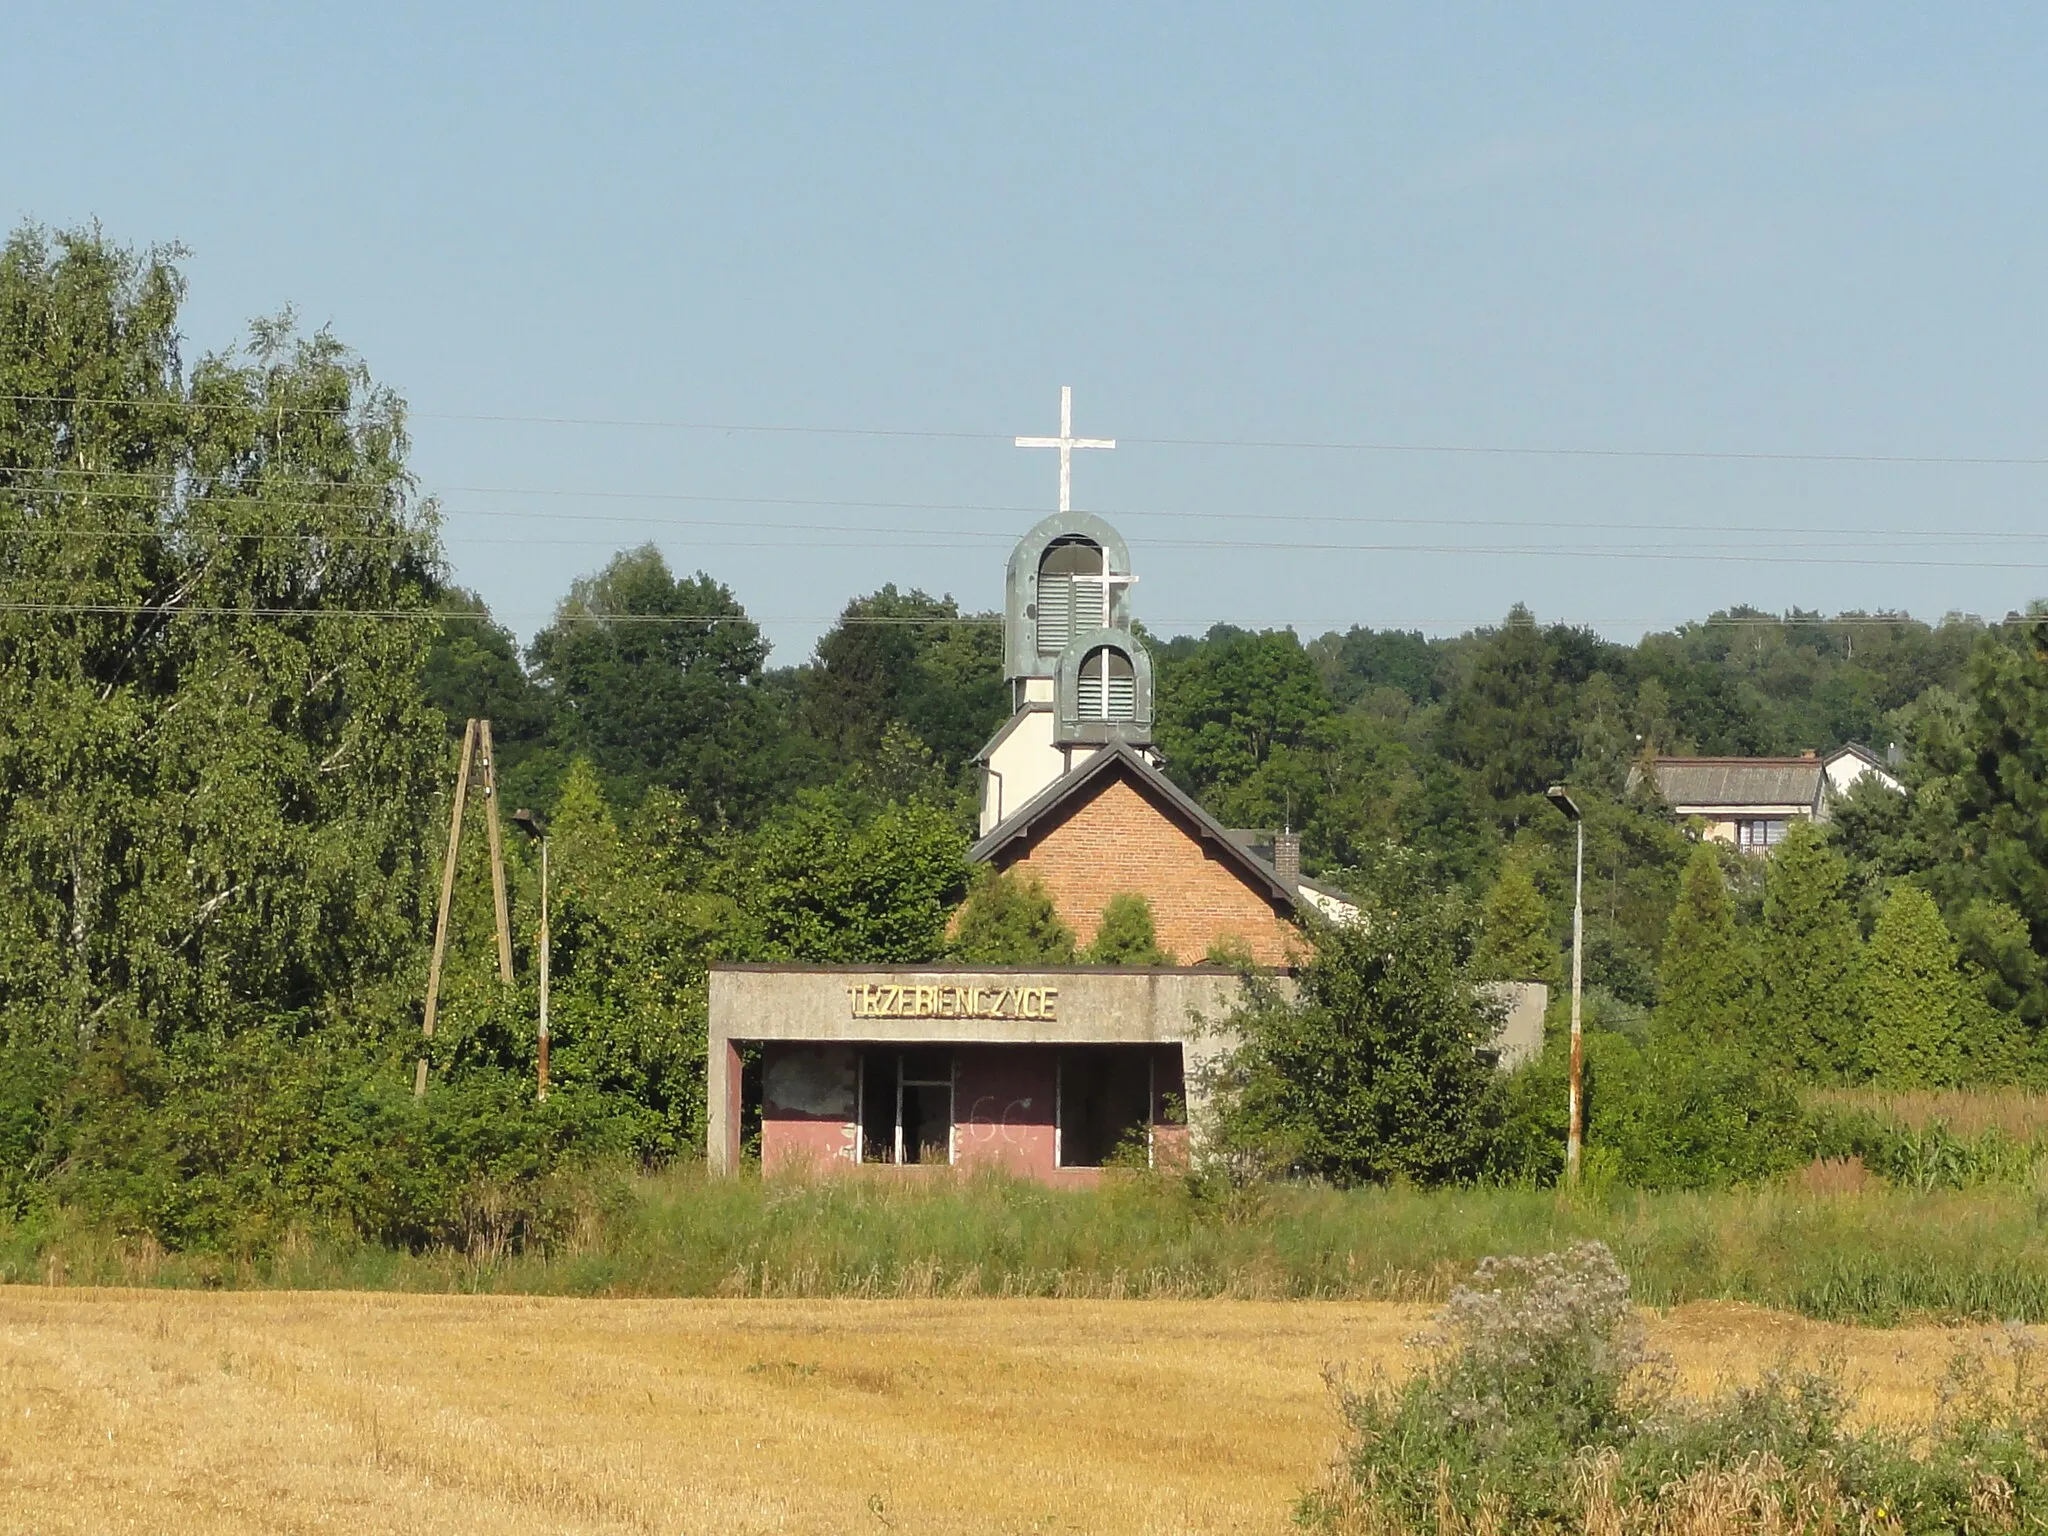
(1563, 801)
(530, 824)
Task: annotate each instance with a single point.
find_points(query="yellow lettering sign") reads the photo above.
(968, 1000)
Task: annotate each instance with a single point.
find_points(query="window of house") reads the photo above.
(906, 1106)
(1760, 834)
(1073, 595)
(1106, 688)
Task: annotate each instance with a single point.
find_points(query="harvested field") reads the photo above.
(174, 1412)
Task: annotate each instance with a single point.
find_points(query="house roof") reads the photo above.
(1736, 782)
(1119, 757)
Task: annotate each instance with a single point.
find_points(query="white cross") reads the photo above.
(1066, 442)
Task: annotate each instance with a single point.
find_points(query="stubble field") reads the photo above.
(175, 1411)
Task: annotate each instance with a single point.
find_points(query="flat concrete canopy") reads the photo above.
(956, 1006)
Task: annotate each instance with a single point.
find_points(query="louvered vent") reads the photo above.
(1070, 588)
(1106, 687)
(1055, 613)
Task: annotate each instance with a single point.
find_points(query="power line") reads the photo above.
(424, 615)
(1329, 445)
(446, 513)
(1747, 553)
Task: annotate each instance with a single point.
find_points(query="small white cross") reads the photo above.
(1066, 442)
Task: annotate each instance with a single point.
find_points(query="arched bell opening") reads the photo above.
(1073, 592)
(1106, 686)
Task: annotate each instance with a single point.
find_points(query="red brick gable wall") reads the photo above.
(1120, 840)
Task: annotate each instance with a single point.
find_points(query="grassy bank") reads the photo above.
(1877, 1256)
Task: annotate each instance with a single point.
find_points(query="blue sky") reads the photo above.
(1810, 229)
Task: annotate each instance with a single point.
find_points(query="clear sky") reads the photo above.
(1809, 229)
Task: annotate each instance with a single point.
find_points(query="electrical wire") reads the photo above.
(1281, 444)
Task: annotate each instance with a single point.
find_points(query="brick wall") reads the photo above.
(1119, 840)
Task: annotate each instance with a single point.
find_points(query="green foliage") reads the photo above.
(826, 882)
(1515, 942)
(912, 661)
(1914, 1002)
(206, 820)
(472, 670)
(1707, 978)
(657, 679)
(1678, 1113)
(1371, 1070)
(1509, 720)
(1808, 948)
(1126, 935)
(1240, 719)
(1008, 919)
(1539, 1408)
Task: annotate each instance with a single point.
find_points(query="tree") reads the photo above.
(1706, 980)
(657, 679)
(1242, 719)
(472, 670)
(1371, 1069)
(1126, 935)
(1008, 919)
(1913, 999)
(1808, 952)
(1515, 942)
(1510, 719)
(216, 775)
(909, 660)
(826, 881)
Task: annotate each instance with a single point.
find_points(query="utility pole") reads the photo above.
(475, 733)
(1575, 1133)
(534, 828)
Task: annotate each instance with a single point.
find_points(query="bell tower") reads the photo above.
(1078, 678)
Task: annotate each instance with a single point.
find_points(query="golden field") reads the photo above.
(178, 1411)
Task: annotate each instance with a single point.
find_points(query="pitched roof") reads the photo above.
(1120, 757)
(1739, 781)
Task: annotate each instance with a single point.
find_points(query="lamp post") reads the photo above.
(534, 828)
(1575, 1134)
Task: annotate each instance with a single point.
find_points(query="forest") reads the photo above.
(235, 664)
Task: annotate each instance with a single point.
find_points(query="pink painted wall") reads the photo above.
(807, 1107)
(1004, 1100)
(1003, 1109)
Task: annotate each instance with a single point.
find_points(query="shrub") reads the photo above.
(1538, 1408)
(1371, 1070)
(1126, 935)
(1010, 920)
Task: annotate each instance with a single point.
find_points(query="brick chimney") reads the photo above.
(1287, 856)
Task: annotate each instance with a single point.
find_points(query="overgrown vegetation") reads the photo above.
(233, 667)
(1538, 1407)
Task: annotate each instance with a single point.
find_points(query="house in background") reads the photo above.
(1751, 801)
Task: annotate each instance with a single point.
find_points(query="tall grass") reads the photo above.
(2018, 1113)
(1879, 1256)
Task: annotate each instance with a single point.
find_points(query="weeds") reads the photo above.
(1537, 1408)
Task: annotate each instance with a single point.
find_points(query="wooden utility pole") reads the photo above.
(477, 731)
(504, 911)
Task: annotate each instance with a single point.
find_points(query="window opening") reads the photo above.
(1106, 687)
(1760, 834)
(906, 1107)
(1073, 592)
(1104, 1104)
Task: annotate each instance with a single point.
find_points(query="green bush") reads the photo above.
(1538, 1408)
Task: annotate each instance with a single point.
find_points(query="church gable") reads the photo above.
(1116, 827)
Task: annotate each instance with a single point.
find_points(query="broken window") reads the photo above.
(906, 1106)
(1104, 1105)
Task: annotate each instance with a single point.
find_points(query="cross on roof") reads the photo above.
(1066, 442)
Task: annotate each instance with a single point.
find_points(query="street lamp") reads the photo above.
(1576, 1133)
(534, 828)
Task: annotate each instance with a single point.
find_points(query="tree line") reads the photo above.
(234, 663)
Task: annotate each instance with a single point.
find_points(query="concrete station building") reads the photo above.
(1047, 1072)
